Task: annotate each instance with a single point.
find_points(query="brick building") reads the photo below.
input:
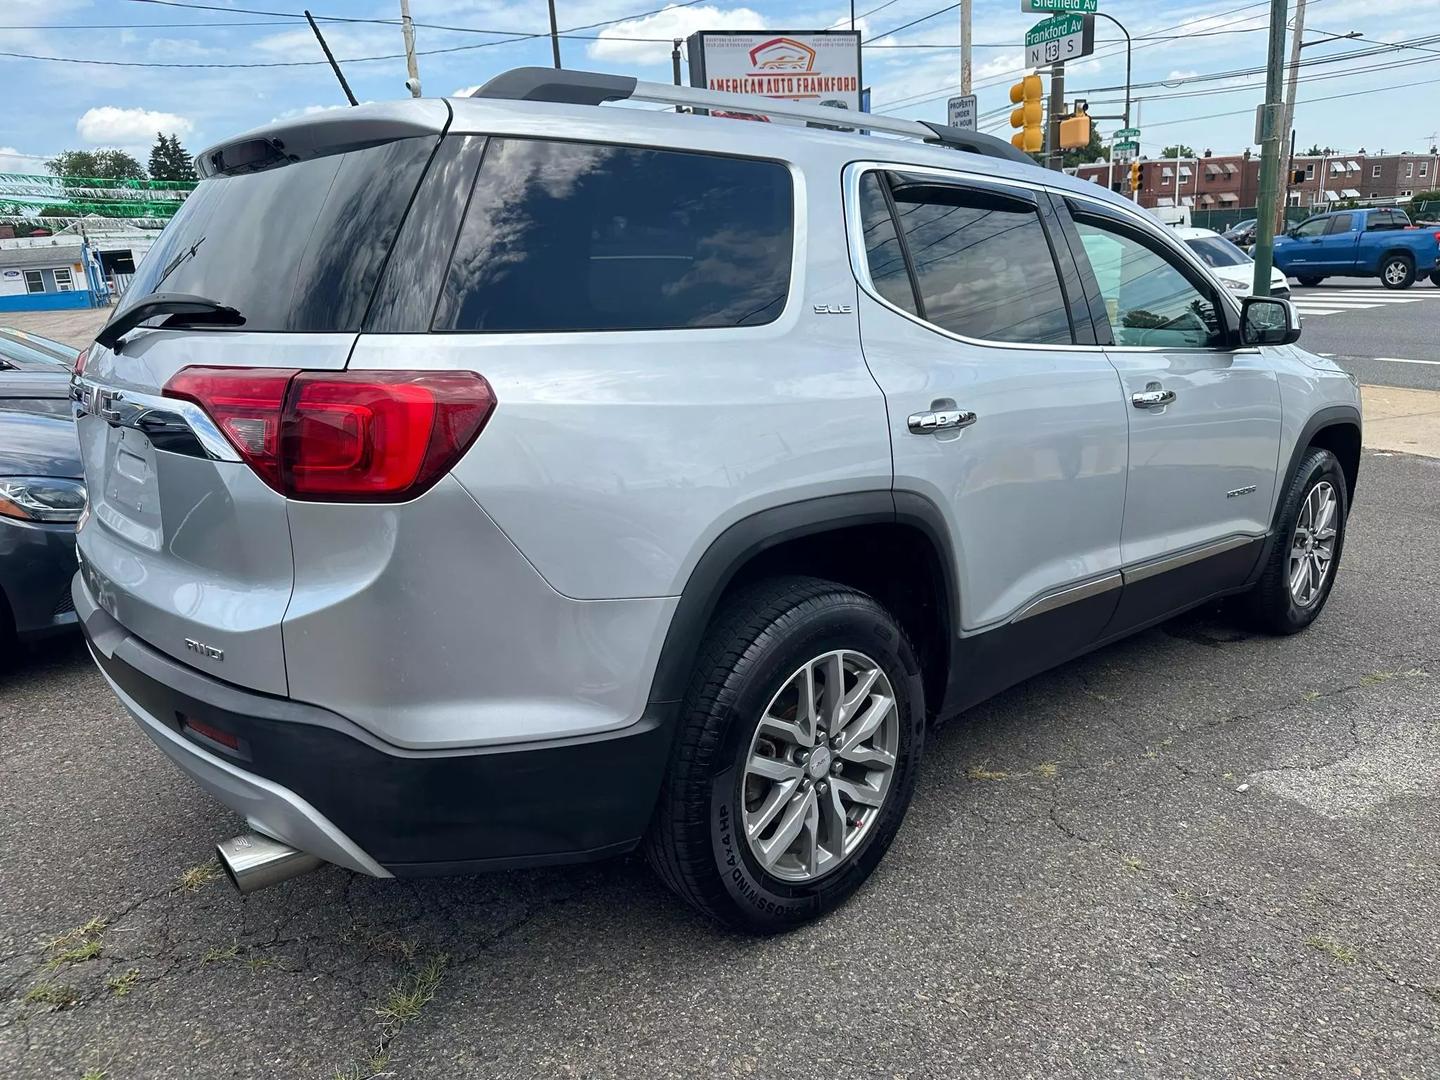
(1231, 181)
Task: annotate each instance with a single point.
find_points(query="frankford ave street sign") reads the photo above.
(1087, 6)
(962, 113)
(1065, 37)
(1128, 133)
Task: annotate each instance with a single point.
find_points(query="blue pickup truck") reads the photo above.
(1378, 242)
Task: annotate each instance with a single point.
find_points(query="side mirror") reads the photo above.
(1268, 320)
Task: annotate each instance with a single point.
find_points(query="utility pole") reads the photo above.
(1288, 123)
(1054, 156)
(554, 34)
(408, 28)
(1270, 134)
(965, 65)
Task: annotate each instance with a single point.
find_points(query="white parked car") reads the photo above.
(1232, 266)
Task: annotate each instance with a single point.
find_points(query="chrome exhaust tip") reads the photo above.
(252, 861)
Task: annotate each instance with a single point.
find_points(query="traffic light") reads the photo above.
(1134, 176)
(1075, 130)
(1030, 116)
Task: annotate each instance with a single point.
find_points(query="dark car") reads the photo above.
(1242, 233)
(41, 490)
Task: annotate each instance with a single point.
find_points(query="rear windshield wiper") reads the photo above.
(165, 304)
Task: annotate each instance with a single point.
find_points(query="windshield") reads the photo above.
(15, 356)
(1217, 251)
(293, 248)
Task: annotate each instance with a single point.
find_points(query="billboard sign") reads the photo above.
(817, 67)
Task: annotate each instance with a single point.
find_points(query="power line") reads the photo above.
(1310, 101)
(912, 22)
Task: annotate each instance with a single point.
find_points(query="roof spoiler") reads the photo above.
(595, 88)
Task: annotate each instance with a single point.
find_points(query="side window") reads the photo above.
(1312, 228)
(1384, 220)
(566, 236)
(981, 263)
(1340, 223)
(883, 254)
(1149, 300)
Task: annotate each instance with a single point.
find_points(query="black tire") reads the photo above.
(1269, 606)
(1308, 281)
(765, 633)
(1403, 280)
(1435, 277)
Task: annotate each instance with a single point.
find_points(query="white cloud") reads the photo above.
(1180, 75)
(673, 22)
(465, 91)
(13, 161)
(309, 110)
(108, 125)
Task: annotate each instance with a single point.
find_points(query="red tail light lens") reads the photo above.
(81, 359)
(350, 436)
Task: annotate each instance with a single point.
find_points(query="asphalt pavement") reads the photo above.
(1387, 337)
(1199, 853)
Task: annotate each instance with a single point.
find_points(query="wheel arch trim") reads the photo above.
(730, 552)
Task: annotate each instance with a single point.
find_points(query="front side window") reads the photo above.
(563, 236)
(1150, 302)
(1340, 223)
(981, 263)
(1312, 228)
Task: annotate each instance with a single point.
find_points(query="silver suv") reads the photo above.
(514, 481)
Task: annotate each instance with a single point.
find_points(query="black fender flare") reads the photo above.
(1329, 416)
(728, 554)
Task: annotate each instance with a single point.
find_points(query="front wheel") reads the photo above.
(1309, 536)
(795, 760)
(1308, 280)
(1397, 272)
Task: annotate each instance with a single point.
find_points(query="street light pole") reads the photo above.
(1121, 25)
(1270, 135)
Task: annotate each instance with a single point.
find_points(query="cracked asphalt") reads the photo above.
(1198, 853)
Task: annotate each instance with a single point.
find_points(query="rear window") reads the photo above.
(294, 248)
(563, 236)
(1381, 220)
(1216, 251)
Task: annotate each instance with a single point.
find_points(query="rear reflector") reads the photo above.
(349, 436)
(214, 734)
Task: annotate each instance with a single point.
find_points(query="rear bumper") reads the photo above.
(322, 784)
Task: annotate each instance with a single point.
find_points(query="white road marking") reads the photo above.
(1403, 360)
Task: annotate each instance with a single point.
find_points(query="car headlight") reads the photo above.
(41, 498)
(1236, 286)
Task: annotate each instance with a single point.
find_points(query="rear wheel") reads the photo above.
(1308, 280)
(1435, 277)
(1397, 272)
(1310, 534)
(796, 757)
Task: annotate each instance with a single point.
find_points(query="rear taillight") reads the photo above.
(80, 361)
(350, 436)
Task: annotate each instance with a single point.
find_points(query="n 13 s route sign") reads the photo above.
(1065, 37)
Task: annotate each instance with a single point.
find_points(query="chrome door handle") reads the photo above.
(1147, 399)
(927, 423)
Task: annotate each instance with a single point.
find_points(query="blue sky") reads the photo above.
(55, 106)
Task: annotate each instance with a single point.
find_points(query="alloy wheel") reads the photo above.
(820, 766)
(1395, 272)
(1312, 550)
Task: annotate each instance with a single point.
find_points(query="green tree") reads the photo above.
(1180, 150)
(105, 164)
(169, 160)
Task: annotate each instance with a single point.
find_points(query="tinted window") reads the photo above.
(1217, 251)
(982, 264)
(883, 254)
(1379, 220)
(1313, 227)
(298, 247)
(580, 236)
(1340, 223)
(1149, 301)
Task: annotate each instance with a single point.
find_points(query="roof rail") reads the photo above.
(594, 88)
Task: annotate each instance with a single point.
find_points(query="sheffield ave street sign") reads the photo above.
(1064, 37)
(1086, 6)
